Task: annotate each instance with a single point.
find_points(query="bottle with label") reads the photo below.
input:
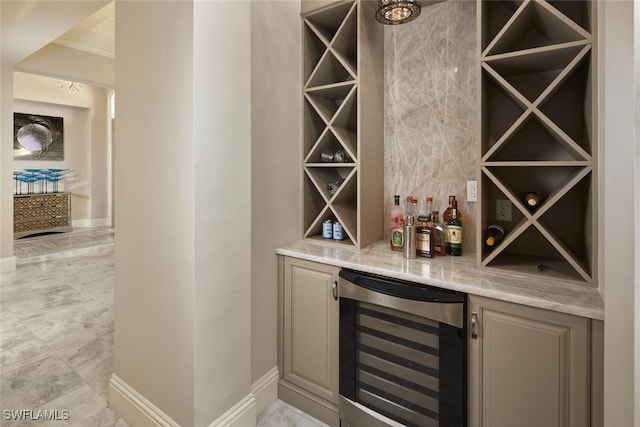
(438, 234)
(396, 222)
(410, 209)
(454, 232)
(493, 236)
(446, 216)
(424, 237)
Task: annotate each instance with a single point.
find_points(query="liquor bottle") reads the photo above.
(446, 216)
(396, 222)
(532, 199)
(424, 238)
(428, 209)
(494, 235)
(447, 212)
(411, 207)
(454, 232)
(438, 233)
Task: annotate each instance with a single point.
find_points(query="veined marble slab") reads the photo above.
(458, 274)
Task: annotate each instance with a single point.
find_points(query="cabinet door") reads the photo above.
(528, 367)
(311, 327)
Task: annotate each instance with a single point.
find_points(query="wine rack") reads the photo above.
(538, 133)
(342, 121)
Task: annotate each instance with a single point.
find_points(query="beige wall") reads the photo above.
(275, 167)
(7, 261)
(618, 185)
(183, 259)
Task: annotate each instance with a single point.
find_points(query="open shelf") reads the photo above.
(535, 24)
(336, 117)
(537, 133)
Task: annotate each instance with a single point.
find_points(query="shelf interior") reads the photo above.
(345, 43)
(532, 141)
(328, 21)
(328, 143)
(578, 11)
(327, 99)
(497, 14)
(314, 48)
(329, 70)
(534, 26)
(313, 126)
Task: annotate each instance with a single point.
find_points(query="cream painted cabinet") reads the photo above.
(310, 338)
(528, 367)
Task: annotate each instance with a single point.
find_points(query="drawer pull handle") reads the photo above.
(334, 290)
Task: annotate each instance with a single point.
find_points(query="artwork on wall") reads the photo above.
(37, 137)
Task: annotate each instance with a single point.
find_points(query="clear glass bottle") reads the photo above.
(454, 232)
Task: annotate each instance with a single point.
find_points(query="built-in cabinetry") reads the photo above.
(530, 367)
(527, 366)
(538, 133)
(41, 213)
(343, 120)
(309, 338)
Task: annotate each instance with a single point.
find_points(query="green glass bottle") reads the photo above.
(454, 232)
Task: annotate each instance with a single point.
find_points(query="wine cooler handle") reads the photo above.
(334, 290)
(474, 325)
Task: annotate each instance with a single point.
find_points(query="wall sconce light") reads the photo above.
(394, 12)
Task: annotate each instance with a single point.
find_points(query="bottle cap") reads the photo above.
(429, 199)
(490, 241)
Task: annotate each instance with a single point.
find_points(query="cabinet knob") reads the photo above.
(474, 325)
(334, 290)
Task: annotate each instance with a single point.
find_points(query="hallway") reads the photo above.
(56, 334)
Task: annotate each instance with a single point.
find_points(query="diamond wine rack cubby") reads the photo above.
(343, 122)
(538, 134)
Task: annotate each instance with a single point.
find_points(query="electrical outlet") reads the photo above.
(472, 191)
(503, 210)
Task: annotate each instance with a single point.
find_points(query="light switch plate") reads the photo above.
(472, 191)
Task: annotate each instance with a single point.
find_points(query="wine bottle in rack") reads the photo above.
(532, 199)
(494, 235)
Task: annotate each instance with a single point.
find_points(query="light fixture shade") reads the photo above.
(394, 12)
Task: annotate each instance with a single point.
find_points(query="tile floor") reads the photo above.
(56, 333)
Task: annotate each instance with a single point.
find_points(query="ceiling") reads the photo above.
(96, 34)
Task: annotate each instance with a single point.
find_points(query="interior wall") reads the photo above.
(618, 185)
(275, 163)
(223, 204)
(431, 110)
(155, 195)
(7, 260)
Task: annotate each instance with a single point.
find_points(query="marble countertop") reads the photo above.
(456, 273)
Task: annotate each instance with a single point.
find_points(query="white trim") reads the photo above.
(87, 223)
(243, 414)
(7, 264)
(265, 390)
(134, 407)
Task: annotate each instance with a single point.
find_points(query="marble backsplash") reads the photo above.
(431, 110)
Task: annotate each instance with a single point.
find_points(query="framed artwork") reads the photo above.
(37, 137)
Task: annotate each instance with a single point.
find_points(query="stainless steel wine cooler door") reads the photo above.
(402, 353)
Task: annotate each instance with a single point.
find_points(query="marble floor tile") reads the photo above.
(280, 414)
(34, 384)
(56, 334)
(93, 362)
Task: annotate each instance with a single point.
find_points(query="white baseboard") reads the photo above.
(135, 408)
(7, 264)
(95, 222)
(265, 389)
(242, 414)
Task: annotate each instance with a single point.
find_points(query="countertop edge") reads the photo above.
(587, 303)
